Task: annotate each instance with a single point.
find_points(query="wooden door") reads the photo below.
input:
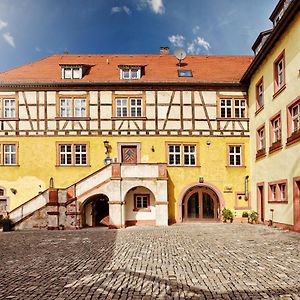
(260, 203)
(129, 154)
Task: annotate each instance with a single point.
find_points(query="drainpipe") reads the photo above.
(246, 188)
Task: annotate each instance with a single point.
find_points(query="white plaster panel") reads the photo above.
(197, 98)
(128, 93)
(106, 97)
(171, 125)
(94, 125)
(51, 112)
(25, 125)
(150, 125)
(211, 112)
(94, 112)
(150, 112)
(199, 112)
(161, 215)
(7, 93)
(51, 126)
(232, 93)
(174, 112)
(164, 96)
(72, 93)
(150, 97)
(187, 125)
(162, 112)
(141, 171)
(210, 97)
(30, 97)
(105, 112)
(51, 97)
(187, 112)
(187, 97)
(93, 97)
(201, 125)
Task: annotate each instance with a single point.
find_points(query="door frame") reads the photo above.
(138, 150)
(260, 198)
(296, 202)
(200, 190)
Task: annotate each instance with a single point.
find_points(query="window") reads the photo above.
(182, 154)
(235, 155)
(129, 107)
(232, 107)
(71, 72)
(72, 107)
(3, 202)
(8, 107)
(8, 154)
(174, 155)
(189, 154)
(259, 94)
(278, 191)
(293, 121)
(141, 202)
(239, 108)
(130, 72)
(185, 73)
(72, 154)
(279, 72)
(261, 141)
(276, 130)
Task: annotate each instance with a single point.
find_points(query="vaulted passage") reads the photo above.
(95, 211)
(200, 204)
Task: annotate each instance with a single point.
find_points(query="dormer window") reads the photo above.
(130, 72)
(71, 72)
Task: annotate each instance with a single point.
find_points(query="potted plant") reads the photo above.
(245, 217)
(6, 224)
(253, 217)
(61, 227)
(227, 215)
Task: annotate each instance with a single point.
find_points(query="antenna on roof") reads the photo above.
(180, 54)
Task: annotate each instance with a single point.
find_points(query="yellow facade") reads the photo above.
(37, 163)
(283, 164)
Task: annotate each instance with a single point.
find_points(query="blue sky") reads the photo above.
(32, 29)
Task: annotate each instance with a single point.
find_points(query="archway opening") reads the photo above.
(200, 203)
(96, 211)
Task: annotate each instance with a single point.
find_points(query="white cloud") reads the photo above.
(157, 6)
(120, 9)
(177, 40)
(9, 39)
(196, 29)
(37, 49)
(3, 24)
(197, 45)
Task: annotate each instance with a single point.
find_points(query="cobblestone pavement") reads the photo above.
(194, 261)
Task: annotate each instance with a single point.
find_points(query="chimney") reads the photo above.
(164, 50)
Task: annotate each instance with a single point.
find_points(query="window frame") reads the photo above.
(242, 155)
(292, 135)
(142, 209)
(73, 99)
(2, 107)
(71, 68)
(5, 198)
(275, 191)
(182, 154)
(261, 142)
(275, 144)
(129, 97)
(130, 70)
(232, 107)
(260, 83)
(73, 154)
(279, 88)
(2, 154)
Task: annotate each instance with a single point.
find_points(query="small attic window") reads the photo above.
(130, 72)
(185, 73)
(71, 72)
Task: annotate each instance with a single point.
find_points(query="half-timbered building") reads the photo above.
(123, 139)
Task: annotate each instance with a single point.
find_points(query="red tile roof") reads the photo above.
(158, 69)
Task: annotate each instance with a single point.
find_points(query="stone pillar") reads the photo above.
(52, 210)
(161, 204)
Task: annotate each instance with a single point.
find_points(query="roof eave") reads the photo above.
(287, 18)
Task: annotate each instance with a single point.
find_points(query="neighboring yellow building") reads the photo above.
(274, 112)
(175, 140)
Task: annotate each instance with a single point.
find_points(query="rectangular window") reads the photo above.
(72, 107)
(71, 71)
(174, 155)
(233, 107)
(261, 143)
(72, 154)
(127, 72)
(189, 154)
(8, 154)
(142, 201)
(235, 155)
(9, 106)
(276, 130)
(278, 191)
(295, 114)
(67, 73)
(240, 108)
(259, 94)
(293, 121)
(279, 72)
(128, 107)
(225, 105)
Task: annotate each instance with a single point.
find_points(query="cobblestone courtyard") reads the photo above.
(196, 261)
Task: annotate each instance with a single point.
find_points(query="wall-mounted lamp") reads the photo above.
(152, 149)
(208, 142)
(14, 191)
(107, 159)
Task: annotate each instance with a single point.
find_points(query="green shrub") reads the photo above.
(227, 214)
(253, 216)
(245, 214)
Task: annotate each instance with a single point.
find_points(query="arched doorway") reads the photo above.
(200, 203)
(95, 211)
